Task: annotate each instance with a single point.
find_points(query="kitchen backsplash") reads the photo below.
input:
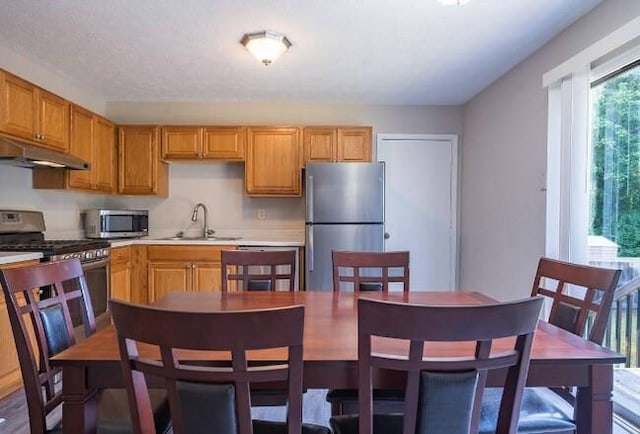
(220, 186)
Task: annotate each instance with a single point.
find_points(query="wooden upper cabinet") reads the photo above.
(53, 121)
(92, 139)
(337, 144)
(18, 108)
(213, 143)
(273, 161)
(140, 171)
(181, 142)
(32, 113)
(223, 143)
(354, 144)
(104, 155)
(320, 144)
(81, 146)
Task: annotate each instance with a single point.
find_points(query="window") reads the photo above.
(614, 205)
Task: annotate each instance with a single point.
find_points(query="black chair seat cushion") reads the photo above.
(204, 406)
(445, 406)
(542, 412)
(114, 414)
(382, 424)
(270, 427)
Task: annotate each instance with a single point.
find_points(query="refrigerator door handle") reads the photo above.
(310, 199)
(309, 248)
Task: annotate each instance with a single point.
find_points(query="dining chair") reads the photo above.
(368, 271)
(581, 297)
(254, 270)
(443, 385)
(206, 398)
(38, 301)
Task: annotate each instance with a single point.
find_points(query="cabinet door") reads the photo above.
(17, 107)
(138, 162)
(224, 143)
(81, 146)
(206, 276)
(181, 142)
(320, 144)
(354, 144)
(10, 375)
(120, 285)
(104, 155)
(273, 162)
(166, 277)
(53, 121)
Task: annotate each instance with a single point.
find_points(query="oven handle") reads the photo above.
(96, 264)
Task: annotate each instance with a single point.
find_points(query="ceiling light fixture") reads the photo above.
(454, 2)
(266, 46)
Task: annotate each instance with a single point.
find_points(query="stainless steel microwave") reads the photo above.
(115, 223)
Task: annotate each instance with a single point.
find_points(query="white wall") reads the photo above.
(504, 160)
(61, 209)
(45, 77)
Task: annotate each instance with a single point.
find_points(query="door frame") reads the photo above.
(454, 223)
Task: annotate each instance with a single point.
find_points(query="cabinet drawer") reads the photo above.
(186, 253)
(120, 255)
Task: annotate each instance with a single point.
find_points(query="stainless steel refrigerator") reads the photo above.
(344, 211)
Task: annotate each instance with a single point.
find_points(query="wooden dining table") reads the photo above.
(558, 358)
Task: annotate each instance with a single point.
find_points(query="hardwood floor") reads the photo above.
(14, 410)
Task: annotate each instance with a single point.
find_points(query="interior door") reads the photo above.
(421, 205)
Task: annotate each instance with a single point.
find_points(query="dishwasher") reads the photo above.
(282, 285)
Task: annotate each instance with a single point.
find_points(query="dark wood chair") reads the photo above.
(42, 327)
(442, 392)
(370, 271)
(202, 397)
(581, 298)
(254, 270)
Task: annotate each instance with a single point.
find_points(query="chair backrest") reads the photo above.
(444, 388)
(255, 270)
(215, 397)
(370, 271)
(42, 327)
(580, 294)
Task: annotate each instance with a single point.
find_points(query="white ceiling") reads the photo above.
(344, 51)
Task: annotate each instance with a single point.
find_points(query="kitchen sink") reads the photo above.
(201, 238)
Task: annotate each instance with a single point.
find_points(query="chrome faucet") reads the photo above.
(206, 232)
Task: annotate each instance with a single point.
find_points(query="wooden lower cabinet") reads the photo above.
(120, 284)
(183, 268)
(10, 375)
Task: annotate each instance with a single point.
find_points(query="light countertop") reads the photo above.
(11, 257)
(266, 238)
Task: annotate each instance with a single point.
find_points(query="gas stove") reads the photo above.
(22, 231)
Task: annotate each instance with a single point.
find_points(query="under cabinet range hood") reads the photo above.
(22, 154)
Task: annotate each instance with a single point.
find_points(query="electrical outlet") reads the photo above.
(262, 213)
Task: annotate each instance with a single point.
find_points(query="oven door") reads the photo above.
(97, 277)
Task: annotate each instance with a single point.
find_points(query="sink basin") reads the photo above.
(201, 238)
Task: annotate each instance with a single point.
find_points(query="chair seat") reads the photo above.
(382, 424)
(542, 412)
(114, 416)
(270, 427)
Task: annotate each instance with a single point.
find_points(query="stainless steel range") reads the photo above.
(23, 231)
